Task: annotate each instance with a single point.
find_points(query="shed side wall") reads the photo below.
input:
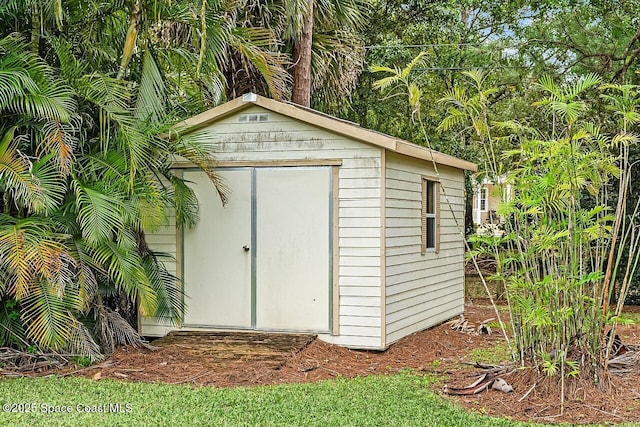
(421, 290)
(162, 240)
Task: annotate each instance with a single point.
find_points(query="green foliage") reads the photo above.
(549, 365)
(337, 47)
(554, 254)
(12, 332)
(86, 90)
(399, 400)
(562, 242)
(82, 361)
(83, 172)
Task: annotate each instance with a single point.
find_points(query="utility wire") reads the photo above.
(394, 46)
(470, 68)
(382, 46)
(450, 44)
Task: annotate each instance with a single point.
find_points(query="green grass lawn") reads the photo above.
(399, 400)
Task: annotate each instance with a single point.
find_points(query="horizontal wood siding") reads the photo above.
(421, 290)
(359, 205)
(162, 240)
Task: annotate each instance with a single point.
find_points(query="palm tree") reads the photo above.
(337, 50)
(302, 52)
(321, 38)
(85, 90)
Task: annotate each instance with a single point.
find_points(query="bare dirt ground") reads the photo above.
(439, 350)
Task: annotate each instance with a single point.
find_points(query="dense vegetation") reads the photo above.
(563, 168)
(87, 87)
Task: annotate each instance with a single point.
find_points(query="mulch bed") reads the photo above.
(439, 351)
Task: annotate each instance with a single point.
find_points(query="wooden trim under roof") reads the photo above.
(323, 121)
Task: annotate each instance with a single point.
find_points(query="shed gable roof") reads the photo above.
(322, 121)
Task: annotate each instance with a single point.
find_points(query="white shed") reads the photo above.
(330, 228)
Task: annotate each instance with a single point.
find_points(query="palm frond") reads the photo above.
(585, 83)
(549, 85)
(270, 65)
(184, 202)
(20, 70)
(385, 82)
(124, 267)
(82, 342)
(337, 59)
(61, 140)
(150, 100)
(145, 208)
(31, 250)
(112, 330)
(47, 315)
(478, 77)
(99, 214)
(168, 289)
(70, 67)
(12, 329)
(85, 278)
(196, 147)
(454, 118)
(418, 60)
(350, 14)
(18, 180)
(51, 186)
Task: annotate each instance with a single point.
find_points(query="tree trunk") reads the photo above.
(130, 41)
(301, 93)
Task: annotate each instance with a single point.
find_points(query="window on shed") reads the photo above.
(430, 216)
(253, 118)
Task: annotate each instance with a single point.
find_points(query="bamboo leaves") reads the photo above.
(556, 255)
(402, 78)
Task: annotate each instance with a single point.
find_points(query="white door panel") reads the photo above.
(217, 270)
(292, 268)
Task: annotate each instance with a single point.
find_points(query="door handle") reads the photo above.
(246, 248)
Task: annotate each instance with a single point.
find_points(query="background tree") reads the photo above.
(321, 39)
(302, 48)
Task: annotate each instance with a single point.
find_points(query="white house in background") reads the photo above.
(486, 201)
(330, 228)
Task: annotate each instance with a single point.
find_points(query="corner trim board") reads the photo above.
(335, 190)
(383, 248)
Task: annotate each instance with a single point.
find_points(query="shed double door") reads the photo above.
(263, 260)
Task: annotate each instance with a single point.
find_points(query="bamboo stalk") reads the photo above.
(616, 229)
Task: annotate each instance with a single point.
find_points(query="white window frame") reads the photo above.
(430, 220)
(483, 196)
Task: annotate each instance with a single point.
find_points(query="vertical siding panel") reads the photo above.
(164, 239)
(438, 216)
(335, 311)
